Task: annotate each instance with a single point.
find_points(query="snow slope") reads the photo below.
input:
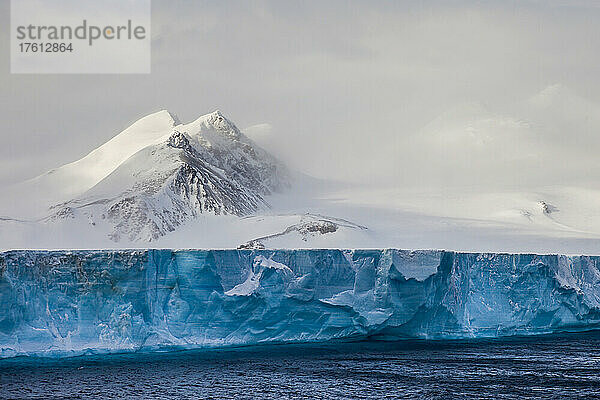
(75, 178)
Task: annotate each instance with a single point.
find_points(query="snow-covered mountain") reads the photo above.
(159, 173)
(204, 184)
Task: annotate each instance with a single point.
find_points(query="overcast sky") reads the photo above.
(434, 93)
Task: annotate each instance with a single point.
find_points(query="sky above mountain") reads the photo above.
(435, 94)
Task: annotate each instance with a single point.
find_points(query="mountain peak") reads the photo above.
(214, 121)
(173, 117)
(162, 117)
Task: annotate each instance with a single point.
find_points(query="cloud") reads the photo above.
(354, 87)
(259, 132)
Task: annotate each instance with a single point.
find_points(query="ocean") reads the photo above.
(556, 366)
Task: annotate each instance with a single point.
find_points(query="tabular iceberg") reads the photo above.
(59, 303)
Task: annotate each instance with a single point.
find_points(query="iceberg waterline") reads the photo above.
(64, 303)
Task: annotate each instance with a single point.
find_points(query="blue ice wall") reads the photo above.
(57, 303)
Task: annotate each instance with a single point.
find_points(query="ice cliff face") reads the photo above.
(71, 302)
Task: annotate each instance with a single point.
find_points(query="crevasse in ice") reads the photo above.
(57, 303)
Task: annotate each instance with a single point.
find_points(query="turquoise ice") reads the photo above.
(61, 303)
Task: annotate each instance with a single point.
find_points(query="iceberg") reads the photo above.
(65, 303)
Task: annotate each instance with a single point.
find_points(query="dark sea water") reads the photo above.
(558, 366)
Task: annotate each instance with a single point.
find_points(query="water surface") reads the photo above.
(557, 366)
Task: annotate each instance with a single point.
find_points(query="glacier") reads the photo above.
(65, 303)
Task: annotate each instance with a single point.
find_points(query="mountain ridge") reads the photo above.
(176, 173)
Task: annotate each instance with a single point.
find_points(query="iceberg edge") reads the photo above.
(67, 303)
